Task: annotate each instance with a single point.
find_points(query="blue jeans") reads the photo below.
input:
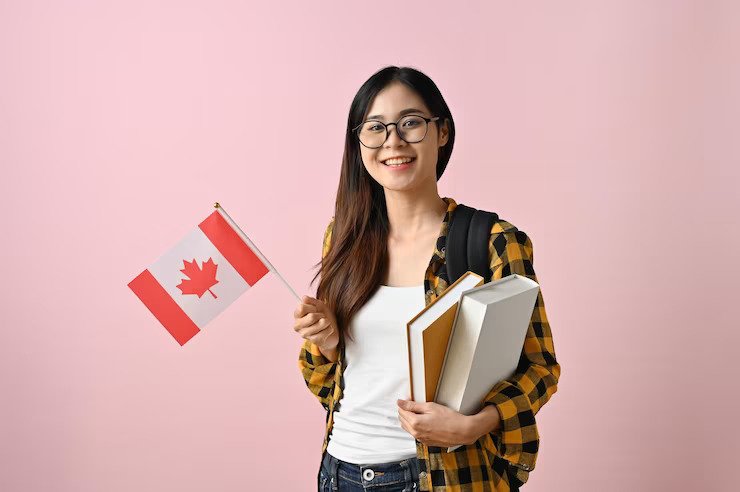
(336, 475)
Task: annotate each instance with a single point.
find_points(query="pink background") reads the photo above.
(602, 129)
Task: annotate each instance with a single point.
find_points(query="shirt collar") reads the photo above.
(439, 247)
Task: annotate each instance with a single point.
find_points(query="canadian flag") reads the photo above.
(201, 276)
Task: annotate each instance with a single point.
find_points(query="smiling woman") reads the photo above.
(383, 260)
(402, 143)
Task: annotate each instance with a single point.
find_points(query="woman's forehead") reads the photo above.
(394, 101)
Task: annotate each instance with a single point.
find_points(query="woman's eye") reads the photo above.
(375, 128)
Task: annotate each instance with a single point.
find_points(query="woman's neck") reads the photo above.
(414, 214)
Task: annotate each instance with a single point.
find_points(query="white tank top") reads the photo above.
(366, 427)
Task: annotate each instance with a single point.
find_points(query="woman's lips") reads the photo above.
(400, 167)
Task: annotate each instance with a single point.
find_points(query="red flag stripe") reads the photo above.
(163, 307)
(233, 248)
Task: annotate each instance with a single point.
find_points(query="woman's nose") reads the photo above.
(393, 137)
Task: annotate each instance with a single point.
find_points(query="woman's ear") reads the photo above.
(444, 134)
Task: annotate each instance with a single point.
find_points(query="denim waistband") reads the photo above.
(371, 475)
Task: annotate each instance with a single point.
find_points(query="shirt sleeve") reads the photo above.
(519, 398)
(318, 371)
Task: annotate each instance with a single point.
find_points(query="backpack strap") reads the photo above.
(467, 242)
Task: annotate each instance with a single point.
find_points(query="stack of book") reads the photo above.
(468, 339)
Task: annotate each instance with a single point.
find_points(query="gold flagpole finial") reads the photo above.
(216, 205)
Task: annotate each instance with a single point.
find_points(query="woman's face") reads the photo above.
(387, 107)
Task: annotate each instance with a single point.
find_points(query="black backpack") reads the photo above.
(467, 242)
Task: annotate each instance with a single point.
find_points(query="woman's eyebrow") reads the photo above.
(405, 111)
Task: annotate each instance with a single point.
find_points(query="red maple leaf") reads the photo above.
(201, 280)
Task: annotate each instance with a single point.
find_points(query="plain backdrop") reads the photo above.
(606, 130)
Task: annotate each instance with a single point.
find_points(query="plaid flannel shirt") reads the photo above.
(500, 460)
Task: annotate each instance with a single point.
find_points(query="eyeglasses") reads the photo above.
(411, 129)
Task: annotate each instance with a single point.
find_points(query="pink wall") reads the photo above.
(602, 129)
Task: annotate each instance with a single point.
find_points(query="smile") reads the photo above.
(400, 161)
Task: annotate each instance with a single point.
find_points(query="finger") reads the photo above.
(321, 328)
(304, 309)
(405, 423)
(409, 416)
(309, 300)
(409, 405)
(310, 320)
(329, 333)
(317, 317)
(307, 321)
(320, 305)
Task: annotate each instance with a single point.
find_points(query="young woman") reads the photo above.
(383, 260)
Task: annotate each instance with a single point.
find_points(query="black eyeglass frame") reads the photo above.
(388, 132)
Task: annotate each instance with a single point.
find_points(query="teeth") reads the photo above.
(396, 162)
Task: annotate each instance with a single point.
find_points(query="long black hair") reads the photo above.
(353, 267)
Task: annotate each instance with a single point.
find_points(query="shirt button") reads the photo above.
(430, 292)
(423, 475)
(368, 474)
(443, 249)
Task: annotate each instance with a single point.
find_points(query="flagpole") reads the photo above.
(256, 250)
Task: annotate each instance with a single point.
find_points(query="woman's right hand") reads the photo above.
(317, 323)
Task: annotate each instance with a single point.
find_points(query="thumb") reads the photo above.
(321, 305)
(406, 404)
(318, 303)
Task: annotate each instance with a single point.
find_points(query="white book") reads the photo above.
(486, 342)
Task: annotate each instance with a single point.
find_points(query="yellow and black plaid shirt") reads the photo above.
(499, 459)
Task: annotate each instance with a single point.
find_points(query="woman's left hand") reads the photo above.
(434, 424)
